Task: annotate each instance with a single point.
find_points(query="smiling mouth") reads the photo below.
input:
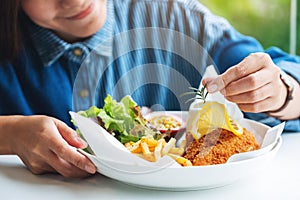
(83, 13)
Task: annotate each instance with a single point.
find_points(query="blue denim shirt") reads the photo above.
(151, 50)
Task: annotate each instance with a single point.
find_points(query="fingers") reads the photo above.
(214, 84)
(37, 166)
(252, 82)
(64, 151)
(252, 96)
(66, 168)
(251, 64)
(70, 135)
(261, 106)
(46, 145)
(51, 163)
(258, 100)
(72, 156)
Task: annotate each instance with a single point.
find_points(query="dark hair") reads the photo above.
(10, 30)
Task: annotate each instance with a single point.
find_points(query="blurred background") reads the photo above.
(267, 20)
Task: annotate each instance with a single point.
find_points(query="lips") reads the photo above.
(82, 14)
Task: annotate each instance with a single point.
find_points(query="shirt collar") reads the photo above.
(50, 47)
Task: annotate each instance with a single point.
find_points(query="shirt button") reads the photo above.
(84, 93)
(77, 52)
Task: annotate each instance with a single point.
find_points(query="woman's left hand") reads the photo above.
(254, 84)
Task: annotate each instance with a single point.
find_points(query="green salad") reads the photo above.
(122, 119)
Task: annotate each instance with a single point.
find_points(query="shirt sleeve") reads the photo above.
(233, 47)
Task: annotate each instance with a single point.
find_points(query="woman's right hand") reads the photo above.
(46, 144)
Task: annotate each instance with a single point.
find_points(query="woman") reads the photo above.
(45, 43)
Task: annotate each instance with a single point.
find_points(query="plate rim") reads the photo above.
(219, 167)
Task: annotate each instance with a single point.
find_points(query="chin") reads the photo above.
(92, 25)
(86, 33)
(82, 32)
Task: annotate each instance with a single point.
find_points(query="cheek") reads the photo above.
(39, 12)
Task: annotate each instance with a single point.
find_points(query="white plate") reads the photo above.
(192, 178)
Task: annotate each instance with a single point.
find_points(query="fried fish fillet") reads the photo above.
(217, 146)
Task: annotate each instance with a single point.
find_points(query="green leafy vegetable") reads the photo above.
(200, 94)
(123, 119)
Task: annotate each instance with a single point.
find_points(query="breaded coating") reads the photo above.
(217, 146)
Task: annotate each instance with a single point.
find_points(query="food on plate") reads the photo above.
(150, 149)
(167, 123)
(122, 119)
(125, 122)
(216, 136)
(212, 115)
(218, 145)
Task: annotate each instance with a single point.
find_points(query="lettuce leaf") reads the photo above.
(123, 119)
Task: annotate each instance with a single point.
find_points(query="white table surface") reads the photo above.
(281, 180)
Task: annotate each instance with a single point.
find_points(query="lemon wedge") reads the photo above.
(211, 116)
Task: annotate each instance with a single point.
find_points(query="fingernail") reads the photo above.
(81, 141)
(212, 88)
(90, 169)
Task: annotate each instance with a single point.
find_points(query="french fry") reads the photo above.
(177, 151)
(168, 146)
(152, 150)
(149, 157)
(158, 149)
(151, 142)
(181, 160)
(182, 144)
(145, 148)
(134, 147)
